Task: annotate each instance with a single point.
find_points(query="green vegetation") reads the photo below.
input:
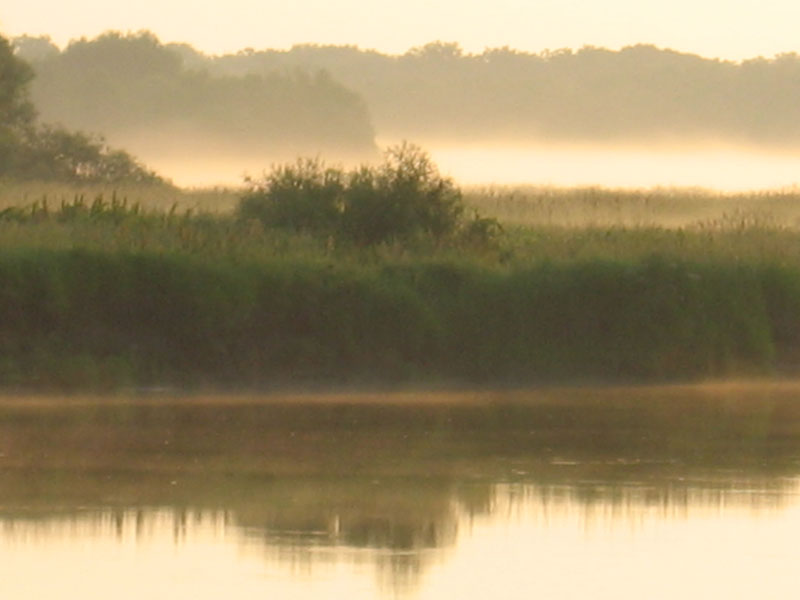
(313, 98)
(142, 95)
(305, 281)
(401, 199)
(438, 91)
(29, 150)
(107, 295)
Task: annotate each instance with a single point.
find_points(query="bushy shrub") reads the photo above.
(402, 198)
(305, 196)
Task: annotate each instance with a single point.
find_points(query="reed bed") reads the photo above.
(658, 207)
(150, 197)
(80, 318)
(116, 224)
(108, 293)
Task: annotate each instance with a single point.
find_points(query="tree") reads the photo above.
(32, 151)
(59, 154)
(34, 49)
(131, 85)
(403, 198)
(17, 114)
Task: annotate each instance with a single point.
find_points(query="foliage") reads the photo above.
(175, 319)
(640, 92)
(58, 154)
(105, 292)
(131, 86)
(32, 151)
(438, 91)
(402, 198)
(16, 111)
(306, 196)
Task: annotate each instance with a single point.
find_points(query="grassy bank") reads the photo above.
(658, 207)
(82, 319)
(108, 293)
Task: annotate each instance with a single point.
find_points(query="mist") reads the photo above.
(722, 167)
(726, 168)
(197, 159)
(637, 117)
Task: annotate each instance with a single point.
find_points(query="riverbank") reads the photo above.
(79, 319)
(107, 295)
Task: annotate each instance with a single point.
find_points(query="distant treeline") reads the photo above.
(31, 150)
(327, 95)
(592, 94)
(132, 86)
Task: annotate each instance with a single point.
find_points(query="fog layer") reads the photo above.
(641, 116)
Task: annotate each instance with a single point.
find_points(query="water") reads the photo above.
(687, 492)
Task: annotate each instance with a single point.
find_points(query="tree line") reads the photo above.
(639, 93)
(32, 150)
(312, 100)
(132, 86)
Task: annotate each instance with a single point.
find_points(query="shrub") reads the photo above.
(304, 197)
(402, 198)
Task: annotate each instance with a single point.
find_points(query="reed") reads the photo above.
(582, 207)
(110, 293)
(81, 318)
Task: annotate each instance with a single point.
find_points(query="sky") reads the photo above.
(728, 29)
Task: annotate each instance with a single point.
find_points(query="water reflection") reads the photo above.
(395, 555)
(367, 497)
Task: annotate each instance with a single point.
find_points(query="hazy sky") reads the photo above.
(733, 29)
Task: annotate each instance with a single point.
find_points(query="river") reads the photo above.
(651, 492)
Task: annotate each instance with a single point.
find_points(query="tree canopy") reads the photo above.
(639, 93)
(131, 86)
(31, 150)
(16, 110)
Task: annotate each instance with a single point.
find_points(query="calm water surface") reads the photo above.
(585, 493)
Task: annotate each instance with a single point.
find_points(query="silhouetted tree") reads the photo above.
(132, 85)
(29, 150)
(31, 49)
(640, 92)
(402, 198)
(16, 111)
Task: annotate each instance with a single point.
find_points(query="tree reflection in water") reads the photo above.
(393, 483)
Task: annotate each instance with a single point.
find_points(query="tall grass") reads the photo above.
(150, 197)
(659, 207)
(117, 223)
(80, 318)
(109, 293)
